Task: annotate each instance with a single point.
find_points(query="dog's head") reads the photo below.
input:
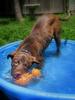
(21, 62)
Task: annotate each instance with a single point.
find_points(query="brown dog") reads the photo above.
(30, 50)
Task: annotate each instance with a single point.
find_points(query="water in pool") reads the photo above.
(58, 71)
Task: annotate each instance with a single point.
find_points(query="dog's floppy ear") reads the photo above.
(11, 55)
(37, 60)
(34, 60)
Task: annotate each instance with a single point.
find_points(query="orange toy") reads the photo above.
(36, 73)
(27, 77)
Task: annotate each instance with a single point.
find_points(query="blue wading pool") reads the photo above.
(57, 83)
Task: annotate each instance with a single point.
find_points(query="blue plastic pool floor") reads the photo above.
(58, 71)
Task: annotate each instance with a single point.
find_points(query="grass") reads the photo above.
(68, 28)
(11, 30)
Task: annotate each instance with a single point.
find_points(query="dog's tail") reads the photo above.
(67, 17)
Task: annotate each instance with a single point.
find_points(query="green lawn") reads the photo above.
(11, 30)
(68, 28)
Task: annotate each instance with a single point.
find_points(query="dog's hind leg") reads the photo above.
(58, 41)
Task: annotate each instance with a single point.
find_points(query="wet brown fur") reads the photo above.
(46, 28)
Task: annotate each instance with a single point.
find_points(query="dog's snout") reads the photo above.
(17, 75)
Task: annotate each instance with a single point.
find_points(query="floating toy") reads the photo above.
(27, 77)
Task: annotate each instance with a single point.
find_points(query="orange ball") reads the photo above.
(27, 77)
(36, 72)
(24, 79)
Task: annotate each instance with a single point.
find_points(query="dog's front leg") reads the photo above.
(40, 64)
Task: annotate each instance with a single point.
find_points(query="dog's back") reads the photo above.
(42, 33)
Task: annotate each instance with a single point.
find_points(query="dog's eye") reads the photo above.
(18, 62)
